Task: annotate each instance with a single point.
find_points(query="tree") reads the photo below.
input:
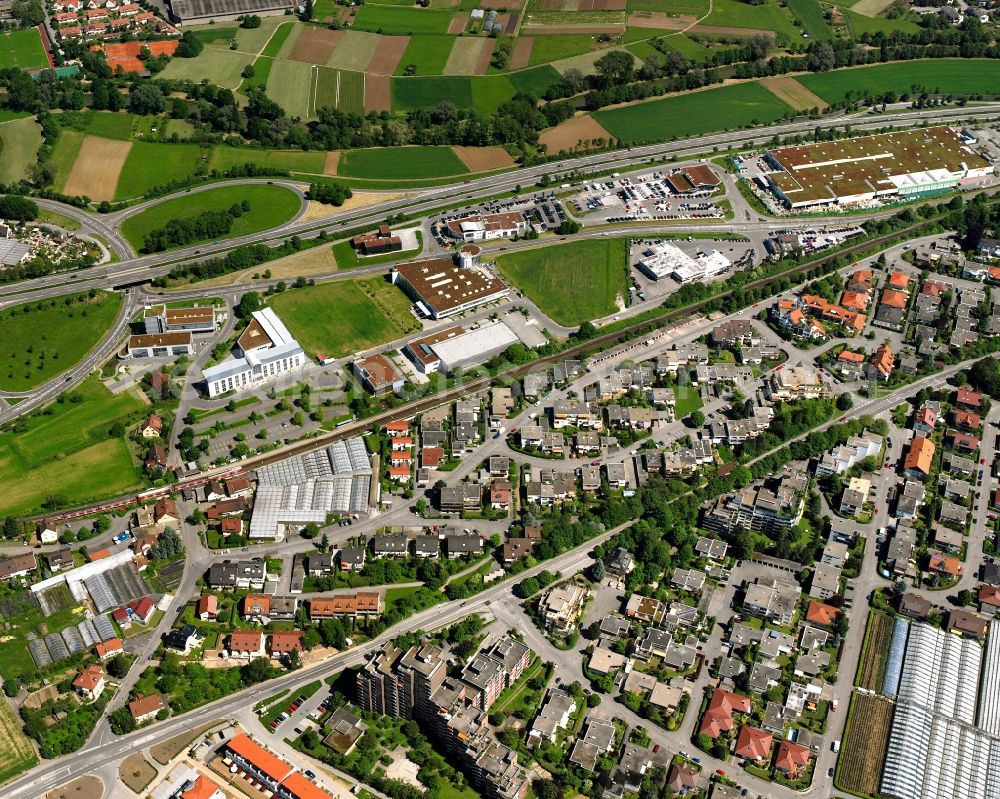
(597, 570)
(616, 68)
(546, 789)
(11, 687)
(189, 46)
(146, 99)
(324, 543)
(18, 208)
(249, 303)
(248, 71)
(697, 419)
(844, 402)
(257, 670)
(122, 722)
(311, 530)
(118, 666)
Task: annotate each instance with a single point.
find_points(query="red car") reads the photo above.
(720, 772)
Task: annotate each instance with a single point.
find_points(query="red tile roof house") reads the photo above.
(944, 564)
(208, 607)
(145, 708)
(753, 744)
(791, 758)
(246, 644)
(964, 442)
(821, 613)
(718, 716)
(90, 682)
(142, 609)
(968, 398)
(431, 457)
(989, 599)
(282, 643)
(109, 649)
(967, 420)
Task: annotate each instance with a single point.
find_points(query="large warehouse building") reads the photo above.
(443, 287)
(188, 12)
(936, 748)
(889, 166)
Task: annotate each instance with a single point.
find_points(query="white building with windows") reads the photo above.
(265, 350)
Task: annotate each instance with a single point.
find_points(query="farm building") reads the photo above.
(442, 287)
(897, 165)
(191, 11)
(265, 350)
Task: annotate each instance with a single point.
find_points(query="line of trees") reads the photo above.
(206, 225)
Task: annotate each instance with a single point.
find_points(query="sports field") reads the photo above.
(400, 162)
(270, 206)
(940, 75)
(152, 164)
(22, 49)
(395, 20)
(41, 342)
(19, 143)
(724, 108)
(367, 313)
(69, 451)
(574, 282)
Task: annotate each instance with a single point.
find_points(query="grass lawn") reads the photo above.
(735, 14)
(368, 312)
(223, 64)
(688, 400)
(696, 8)
(278, 39)
(150, 164)
(413, 94)
(574, 282)
(111, 125)
(945, 75)
(22, 49)
(64, 155)
(216, 33)
(397, 21)
(400, 162)
(70, 442)
(348, 258)
(552, 48)
(270, 206)
(41, 342)
(19, 143)
(224, 157)
(810, 14)
(428, 54)
(860, 24)
(692, 114)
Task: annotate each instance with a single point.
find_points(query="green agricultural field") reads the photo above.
(222, 64)
(553, 48)
(414, 94)
(810, 14)
(267, 39)
(43, 339)
(355, 51)
(694, 8)
(368, 313)
(534, 81)
(396, 21)
(490, 92)
(735, 14)
(428, 53)
(351, 97)
(224, 157)
(574, 282)
(22, 49)
(692, 114)
(270, 206)
(64, 155)
(69, 451)
(290, 84)
(861, 24)
(400, 162)
(111, 125)
(326, 87)
(151, 164)
(19, 143)
(944, 75)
